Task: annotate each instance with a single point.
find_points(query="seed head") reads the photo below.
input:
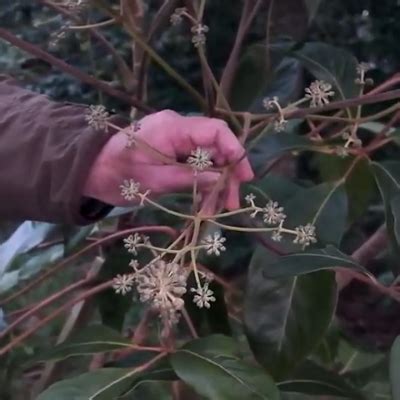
(163, 285)
(319, 93)
(273, 213)
(130, 189)
(203, 297)
(123, 283)
(305, 235)
(214, 244)
(177, 16)
(132, 242)
(199, 34)
(96, 118)
(200, 159)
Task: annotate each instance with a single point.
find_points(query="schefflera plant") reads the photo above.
(289, 303)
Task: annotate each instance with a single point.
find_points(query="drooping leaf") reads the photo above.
(102, 384)
(27, 236)
(26, 266)
(312, 379)
(324, 206)
(387, 177)
(331, 64)
(395, 369)
(283, 320)
(270, 145)
(264, 72)
(91, 340)
(210, 366)
(310, 261)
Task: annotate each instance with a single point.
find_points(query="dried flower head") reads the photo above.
(203, 297)
(163, 285)
(214, 244)
(199, 34)
(276, 236)
(177, 16)
(273, 213)
(200, 159)
(123, 283)
(305, 235)
(319, 93)
(270, 103)
(249, 199)
(96, 117)
(129, 189)
(132, 242)
(341, 151)
(280, 124)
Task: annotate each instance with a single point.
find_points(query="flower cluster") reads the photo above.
(132, 242)
(362, 70)
(96, 117)
(130, 189)
(200, 159)
(273, 215)
(199, 34)
(319, 92)
(177, 17)
(214, 244)
(273, 103)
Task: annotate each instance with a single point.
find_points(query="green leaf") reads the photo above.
(331, 64)
(26, 266)
(270, 145)
(91, 340)
(327, 211)
(387, 177)
(283, 320)
(102, 384)
(264, 72)
(310, 261)
(26, 237)
(210, 367)
(312, 379)
(395, 369)
(360, 183)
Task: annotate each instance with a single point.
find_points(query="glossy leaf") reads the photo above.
(310, 261)
(387, 177)
(331, 64)
(210, 366)
(27, 236)
(395, 369)
(312, 379)
(360, 182)
(270, 145)
(283, 320)
(102, 384)
(324, 206)
(91, 340)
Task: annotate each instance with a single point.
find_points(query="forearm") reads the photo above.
(46, 151)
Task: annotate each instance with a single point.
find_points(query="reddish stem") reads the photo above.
(110, 238)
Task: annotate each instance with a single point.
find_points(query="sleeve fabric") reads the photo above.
(46, 151)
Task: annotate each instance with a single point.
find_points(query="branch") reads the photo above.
(73, 71)
(246, 19)
(107, 239)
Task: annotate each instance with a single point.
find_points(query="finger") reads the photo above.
(232, 199)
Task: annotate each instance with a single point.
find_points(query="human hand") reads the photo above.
(175, 136)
